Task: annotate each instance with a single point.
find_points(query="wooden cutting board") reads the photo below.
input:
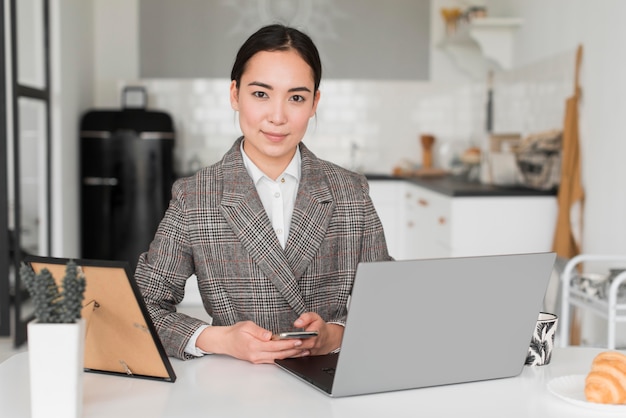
(421, 172)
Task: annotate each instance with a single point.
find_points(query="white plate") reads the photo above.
(572, 389)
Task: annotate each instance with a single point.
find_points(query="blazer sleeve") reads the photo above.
(162, 272)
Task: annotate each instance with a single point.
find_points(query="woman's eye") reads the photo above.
(297, 98)
(259, 94)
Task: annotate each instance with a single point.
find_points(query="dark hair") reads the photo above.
(278, 38)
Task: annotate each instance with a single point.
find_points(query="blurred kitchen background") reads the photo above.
(394, 70)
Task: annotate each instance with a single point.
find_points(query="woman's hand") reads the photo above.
(248, 341)
(329, 338)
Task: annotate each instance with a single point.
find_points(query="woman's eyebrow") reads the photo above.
(267, 86)
(300, 89)
(258, 83)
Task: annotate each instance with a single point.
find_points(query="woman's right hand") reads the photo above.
(248, 341)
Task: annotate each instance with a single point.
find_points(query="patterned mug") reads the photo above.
(542, 341)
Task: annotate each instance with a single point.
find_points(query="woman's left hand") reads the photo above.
(328, 339)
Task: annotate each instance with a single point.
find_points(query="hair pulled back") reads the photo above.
(278, 37)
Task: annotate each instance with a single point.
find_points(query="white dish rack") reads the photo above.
(610, 308)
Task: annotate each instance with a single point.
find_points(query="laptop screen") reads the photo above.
(420, 323)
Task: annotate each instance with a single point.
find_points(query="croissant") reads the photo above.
(606, 382)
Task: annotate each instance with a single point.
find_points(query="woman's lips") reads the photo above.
(274, 137)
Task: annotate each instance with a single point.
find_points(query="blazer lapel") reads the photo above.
(311, 216)
(244, 212)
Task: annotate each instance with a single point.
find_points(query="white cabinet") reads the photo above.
(427, 229)
(387, 198)
(502, 225)
(422, 223)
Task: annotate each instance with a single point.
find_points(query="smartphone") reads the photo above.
(294, 334)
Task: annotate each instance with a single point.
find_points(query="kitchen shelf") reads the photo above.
(495, 37)
(612, 308)
(482, 39)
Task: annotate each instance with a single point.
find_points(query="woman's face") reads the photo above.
(275, 100)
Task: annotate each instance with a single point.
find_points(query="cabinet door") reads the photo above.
(428, 223)
(386, 196)
(503, 225)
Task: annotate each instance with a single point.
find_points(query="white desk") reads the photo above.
(219, 386)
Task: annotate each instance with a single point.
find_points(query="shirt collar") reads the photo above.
(293, 168)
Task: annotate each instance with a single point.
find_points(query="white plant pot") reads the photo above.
(56, 360)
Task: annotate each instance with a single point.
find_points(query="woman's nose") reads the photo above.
(277, 115)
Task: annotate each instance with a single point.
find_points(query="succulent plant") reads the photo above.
(54, 304)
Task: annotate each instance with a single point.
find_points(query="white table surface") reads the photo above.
(218, 386)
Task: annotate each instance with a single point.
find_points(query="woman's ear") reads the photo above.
(234, 95)
(316, 100)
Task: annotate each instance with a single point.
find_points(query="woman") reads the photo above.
(272, 233)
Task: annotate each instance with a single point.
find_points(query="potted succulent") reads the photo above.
(54, 305)
(56, 341)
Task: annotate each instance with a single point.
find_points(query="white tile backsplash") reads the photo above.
(371, 126)
(532, 98)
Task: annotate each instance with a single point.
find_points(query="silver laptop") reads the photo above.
(421, 323)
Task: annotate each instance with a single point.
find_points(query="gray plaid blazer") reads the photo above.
(216, 228)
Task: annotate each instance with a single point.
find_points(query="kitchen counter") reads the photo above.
(236, 388)
(427, 217)
(456, 187)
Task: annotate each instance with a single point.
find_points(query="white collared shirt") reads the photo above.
(277, 196)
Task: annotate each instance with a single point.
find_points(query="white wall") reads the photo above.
(72, 93)
(115, 48)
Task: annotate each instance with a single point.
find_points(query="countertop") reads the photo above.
(457, 187)
(226, 387)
